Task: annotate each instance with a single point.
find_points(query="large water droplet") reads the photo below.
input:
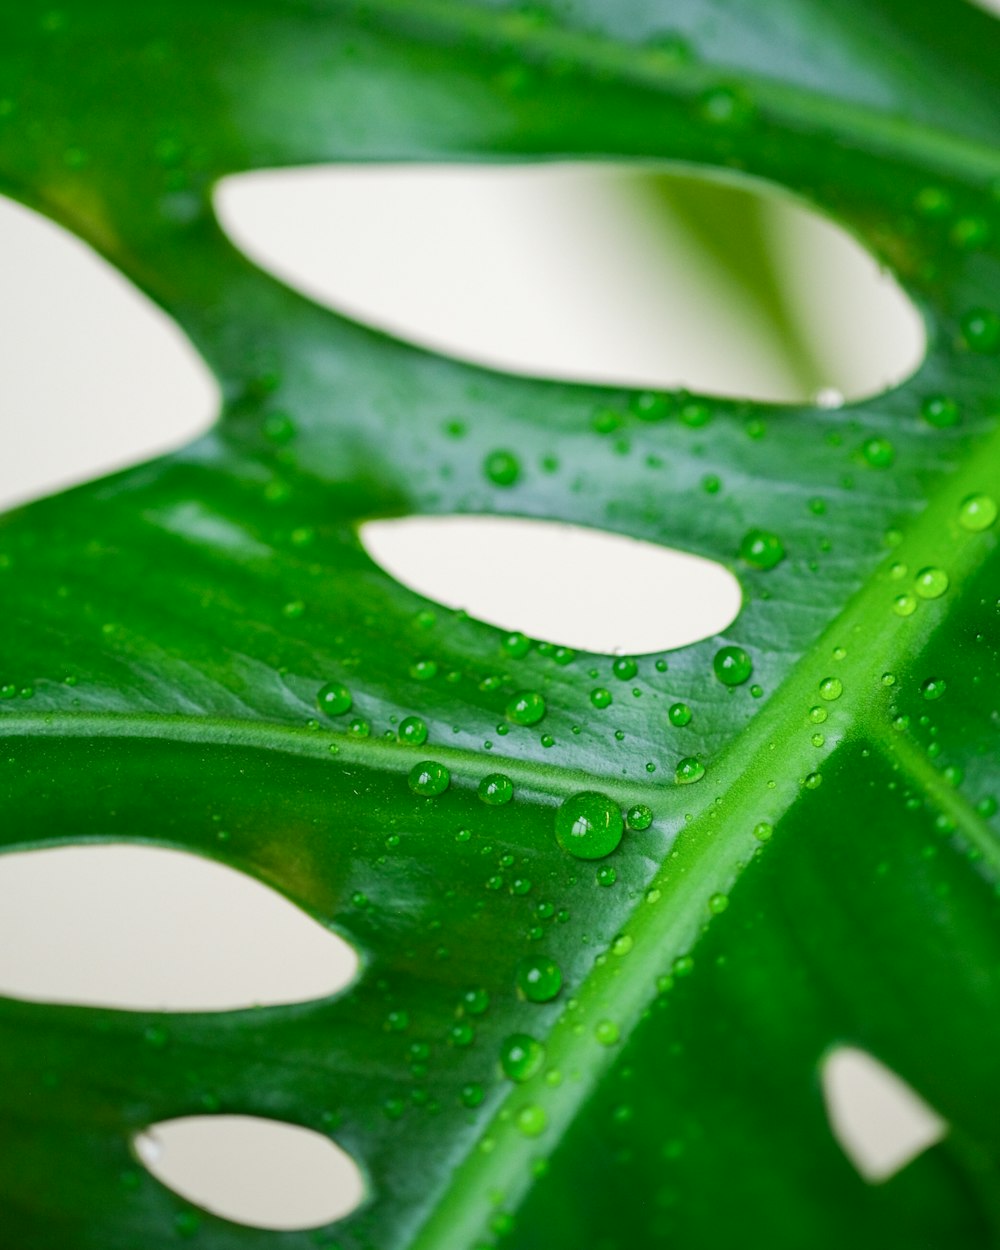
(589, 825)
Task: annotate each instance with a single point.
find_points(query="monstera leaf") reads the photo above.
(210, 660)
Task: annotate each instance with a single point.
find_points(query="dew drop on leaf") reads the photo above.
(679, 714)
(639, 817)
(941, 411)
(600, 697)
(472, 1095)
(334, 699)
(981, 330)
(977, 513)
(526, 708)
(933, 688)
(689, 770)
(521, 1057)
(931, 583)
(429, 778)
(495, 789)
(904, 605)
(538, 979)
(831, 688)
(732, 666)
(502, 468)
(531, 1121)
(763, 831)
(607, 1032)
(413, 730)
(624, 668)
(761, 549)
(878, 452)
(589, 825)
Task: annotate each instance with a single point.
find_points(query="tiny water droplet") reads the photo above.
(831, 688)
(941, 411)
(679, 715)
(639, 817)
(600, 697)
(933, 688)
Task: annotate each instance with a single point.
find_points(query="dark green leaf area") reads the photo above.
(199, 652)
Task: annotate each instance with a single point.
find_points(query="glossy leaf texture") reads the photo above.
(828, 878)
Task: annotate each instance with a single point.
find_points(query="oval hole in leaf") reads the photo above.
(879, 1121)
(263, 1173)
(569, 585)
(143, 928)
(588, 272)
(95, 375)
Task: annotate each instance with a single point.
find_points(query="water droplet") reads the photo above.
(813, 781)
(423, 670)
(472, 1095)
(412, 730)
(606, 875)
(622, 944)
(978, 512)
(521, 1057)
(941, 411)
(531, 1121)
(933, 688)
(475, 1002)
(726, 107)
(495, 789)
(763, 831)
(639, 817)
(589, 825)
(502, 468)
(526, 708)
(718, 903)
(517, 645)
(334, 699)
(689, 770)
(607, 1032)
(831, 688)
(624, 668)
(600, 697)
(732, 666)
(429, 778)
(904, 605)
(981, 330)
(762, 549)
(818, 714)
(538, 979)
(931, 583)
(279, 427)
(680, 715)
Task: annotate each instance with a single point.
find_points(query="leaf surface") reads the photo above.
(832, 877)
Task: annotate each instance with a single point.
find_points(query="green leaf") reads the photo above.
(167, 632)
